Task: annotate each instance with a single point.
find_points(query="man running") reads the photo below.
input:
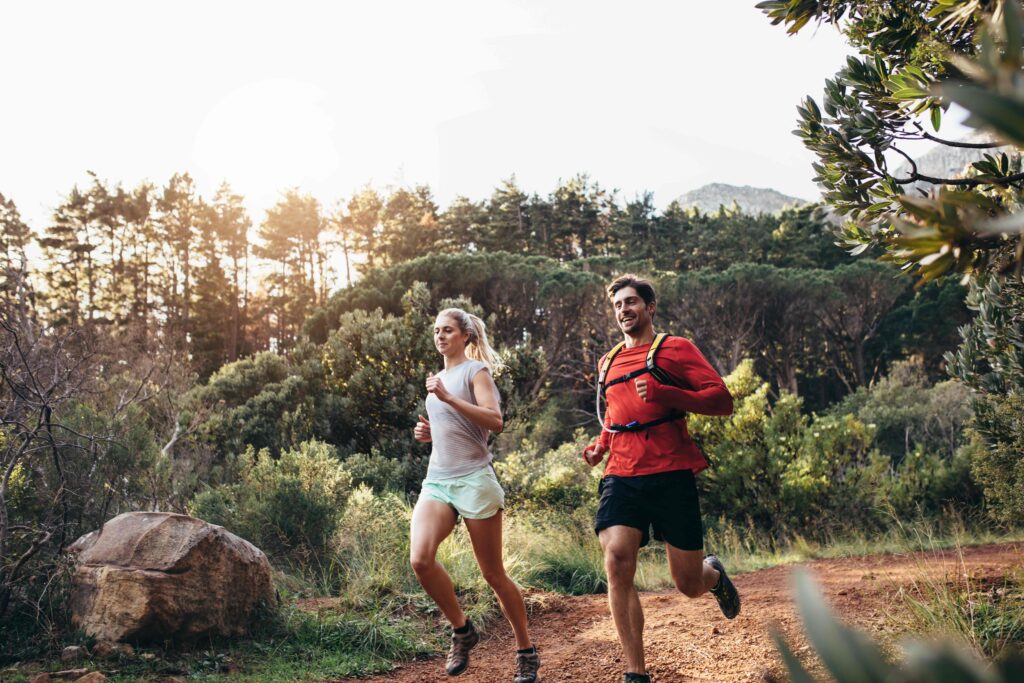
(649, 479)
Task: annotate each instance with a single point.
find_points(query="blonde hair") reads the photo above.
(477, 346)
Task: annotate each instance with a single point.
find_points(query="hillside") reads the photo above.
(753, 200)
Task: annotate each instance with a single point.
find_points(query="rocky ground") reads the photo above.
(690, 640)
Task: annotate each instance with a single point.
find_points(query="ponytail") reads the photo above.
(477, 346)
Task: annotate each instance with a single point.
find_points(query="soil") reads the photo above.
(690, 640)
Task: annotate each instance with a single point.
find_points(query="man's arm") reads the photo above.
(709, 395)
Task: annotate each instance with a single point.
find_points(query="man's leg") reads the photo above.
(691, 574)
(694, 576)
(621, 545)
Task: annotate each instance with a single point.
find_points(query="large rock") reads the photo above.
(157, 576)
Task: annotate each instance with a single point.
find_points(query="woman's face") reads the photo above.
(448, 338)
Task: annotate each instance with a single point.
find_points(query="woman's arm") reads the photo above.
(486, 412)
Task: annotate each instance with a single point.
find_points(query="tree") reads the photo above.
(14, 237)
(179, 211)
(360, 226)
(290, 239)
(227, 219)
(918, 57)
(409, 226)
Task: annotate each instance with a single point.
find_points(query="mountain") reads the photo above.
(751, 199)
(943, 161)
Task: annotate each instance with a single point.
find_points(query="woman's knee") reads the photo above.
(496, 578)
(421, 562)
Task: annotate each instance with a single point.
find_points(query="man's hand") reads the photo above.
(422, 431)
(641, 389)
(436, 387)
(594, 453)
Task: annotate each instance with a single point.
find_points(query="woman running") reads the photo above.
(463, 405)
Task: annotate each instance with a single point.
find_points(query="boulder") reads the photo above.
(72, 654)
(106, 649)
(158, 576)
(94, 677)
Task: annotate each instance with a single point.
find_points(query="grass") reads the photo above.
(371, 611)
(984, 612)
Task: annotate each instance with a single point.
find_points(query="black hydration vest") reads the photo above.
(651, 368)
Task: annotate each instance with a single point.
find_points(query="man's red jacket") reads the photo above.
(667, 446)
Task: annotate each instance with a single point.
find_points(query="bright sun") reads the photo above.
(268, 136)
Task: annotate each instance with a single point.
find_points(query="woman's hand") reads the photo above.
(436, 387)
(422, 430)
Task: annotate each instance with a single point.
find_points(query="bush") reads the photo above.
(557, 479)
(997, 437)
(288, 506)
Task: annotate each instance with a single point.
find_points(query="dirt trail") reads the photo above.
(690, 640)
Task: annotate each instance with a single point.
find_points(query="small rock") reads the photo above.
(94, 677)
(70, 673)
(72, 653)
(170, 679)
(715, 631)
(147, 656)
(108, 648)
(40, 678)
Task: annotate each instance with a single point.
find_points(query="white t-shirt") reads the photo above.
(459, 445)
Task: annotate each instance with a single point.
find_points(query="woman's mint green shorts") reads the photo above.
(474, 496)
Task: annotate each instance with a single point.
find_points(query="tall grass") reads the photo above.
(985, 613)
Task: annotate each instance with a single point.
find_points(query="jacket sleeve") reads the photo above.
(708, 394)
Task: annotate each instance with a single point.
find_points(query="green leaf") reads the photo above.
(797, 673)
(998, 112)
(936, 118)
(946, 665)
(1013, 24)
(850, 656)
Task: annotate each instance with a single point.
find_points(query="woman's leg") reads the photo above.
(432, 522)
(486, 537)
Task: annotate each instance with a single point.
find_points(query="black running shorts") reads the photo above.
(667, 501)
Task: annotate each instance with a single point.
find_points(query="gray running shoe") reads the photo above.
(458, 653)
(636, 678)
(726, 594)
(527, 666)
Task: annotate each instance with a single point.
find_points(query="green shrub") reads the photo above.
(287, 506)
(997, 463)
(557, 479)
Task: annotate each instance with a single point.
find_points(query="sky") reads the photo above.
(327, 97)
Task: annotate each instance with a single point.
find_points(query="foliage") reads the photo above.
(287, 506)
(787, 473)
(997, 463)
(553, 479)
(850, 657)
(918, 58)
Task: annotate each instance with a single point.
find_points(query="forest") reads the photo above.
(165, 350)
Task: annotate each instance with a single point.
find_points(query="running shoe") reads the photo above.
(636, 678)
(527, 665)
(726, 594)
(458, 653)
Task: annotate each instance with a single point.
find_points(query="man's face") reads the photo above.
(631, 313)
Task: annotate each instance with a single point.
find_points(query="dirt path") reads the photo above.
(690, 640)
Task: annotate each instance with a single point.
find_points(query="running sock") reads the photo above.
(464, 628)
(528, 651)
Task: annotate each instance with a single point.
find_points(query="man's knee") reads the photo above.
(619, 562)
